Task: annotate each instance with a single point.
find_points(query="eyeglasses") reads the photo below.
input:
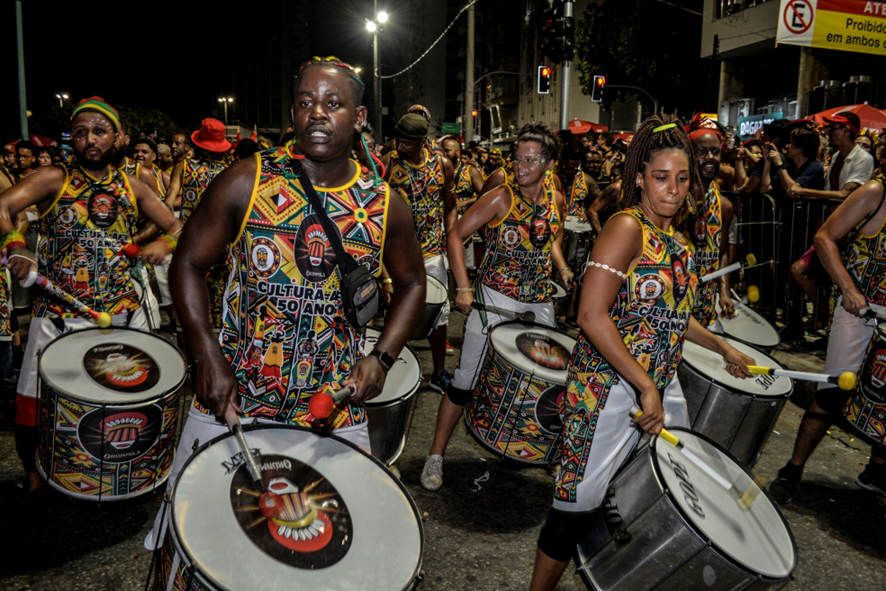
(530, 160)
(702, 151)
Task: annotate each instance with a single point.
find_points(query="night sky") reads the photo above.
(149, 54)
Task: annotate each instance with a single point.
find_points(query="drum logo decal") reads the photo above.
(314, 529)
(549, 407)
(122, 368)
(873, 380)
(103, 210)
(314, 255)
(265, 257)
(540, 232)
(650, 289)
(543, 350)
(122, 436)
(689, 494)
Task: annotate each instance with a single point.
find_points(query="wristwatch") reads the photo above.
(387, 362)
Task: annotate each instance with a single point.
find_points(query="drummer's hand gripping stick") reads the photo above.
(521, 316)
(321, 404)
(269, 504)
(871, 314)
(846, 380)
(102, 319)
(745, 498)
(751, 261)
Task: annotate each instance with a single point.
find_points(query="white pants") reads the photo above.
(438, 268)
(42, 330)
(848, 342)
(473, 349)
(162, 273)
(200, 428)
(615, 439)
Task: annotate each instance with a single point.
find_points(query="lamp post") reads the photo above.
(376, 26)
(61, 99)
(225, 101)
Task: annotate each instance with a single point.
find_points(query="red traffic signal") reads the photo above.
(597, 89)
(474, 112)
(544, 80)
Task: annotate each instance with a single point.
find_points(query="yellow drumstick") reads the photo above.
(846, 380)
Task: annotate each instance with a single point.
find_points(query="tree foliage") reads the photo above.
(645, 43)
(138, 121)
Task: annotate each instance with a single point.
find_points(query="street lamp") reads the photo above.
(61, 99)
(375, 27)
(225, 101)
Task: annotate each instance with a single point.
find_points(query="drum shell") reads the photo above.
(427, 322)
(663, 549)
(738, 421)
(388, 422)
(864, 413)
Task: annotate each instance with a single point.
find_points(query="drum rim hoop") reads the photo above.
(173, 524)
(699, 371)
(412, 391)
(533, 324)
(656, 467)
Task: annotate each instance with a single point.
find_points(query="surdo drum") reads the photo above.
(666, 525)
(866, 408)
(577, 241)
(737, 414)
(749, 327)
(347, 523)
(390, 412)
(515, 409)
(436, 295)
(108, 412)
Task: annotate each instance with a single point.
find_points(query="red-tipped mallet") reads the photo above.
(269, 504)
(131, 250)
(321, 404)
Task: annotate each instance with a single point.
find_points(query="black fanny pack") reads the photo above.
(359, 288)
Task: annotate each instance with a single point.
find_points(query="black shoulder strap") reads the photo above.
(345, 261)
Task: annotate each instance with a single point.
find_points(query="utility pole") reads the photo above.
(468, 117)
(565, 74)
(376, 80)
(22, 98)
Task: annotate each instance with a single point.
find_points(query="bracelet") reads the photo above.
(13, 239)
(606, 267)
(464, 288)
(387, 281)
(170, 240)
(563, 269)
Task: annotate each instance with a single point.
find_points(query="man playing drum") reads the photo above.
(860, 275)
(426, 179)
(284, 335)
(523, 236)
(634, 314)
(88, 210)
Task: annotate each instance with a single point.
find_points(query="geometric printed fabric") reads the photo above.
(283, 329)
(707, 257)
(865, 260)
(423, 185)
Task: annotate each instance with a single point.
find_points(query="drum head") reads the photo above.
(347, 523)
(576, 224)
(436, 292)
(403, 378)
(758, 537)
(749, 327)
(112, 365)
(559, 292)
(710, 364)
(535, 349)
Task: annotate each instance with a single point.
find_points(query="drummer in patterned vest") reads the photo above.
(860, 275)
(426, 179)
(522, 222)
(87, 208)
(635, 312)
(190, 179)
(709, 221)
(284, 336)
(578, 186)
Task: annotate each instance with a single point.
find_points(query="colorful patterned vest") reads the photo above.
(423, 186)
(131, 167)
(196, 177)
(80, 238)
(652, 312)
(464, 188)
(284, 331)
(707, 257)
(517, 261)
(577, 193)
(865, 260)
(6, 310)
(155, 172)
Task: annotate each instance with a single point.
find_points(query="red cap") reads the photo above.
(840, 118)
(211, 136)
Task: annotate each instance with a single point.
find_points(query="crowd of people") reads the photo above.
(268, 329)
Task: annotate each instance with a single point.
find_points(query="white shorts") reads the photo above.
(438, 268)
(162, 273)
(200, 428)
(848, 341)
(41, 331)
(473, 349)
(615, 439)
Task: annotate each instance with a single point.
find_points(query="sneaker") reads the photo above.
(432, 475)
(440, 383)
(782, 488)
(449, 349)
(873, 478)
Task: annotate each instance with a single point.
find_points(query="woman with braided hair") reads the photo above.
(635, 312)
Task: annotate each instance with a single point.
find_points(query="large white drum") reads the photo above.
(749, 327)
(665, 524)
(737, 414)
(347, 523)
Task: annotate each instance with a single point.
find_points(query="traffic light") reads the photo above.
(558, 38)
(544, 80)
(597, 89)
(474, 112)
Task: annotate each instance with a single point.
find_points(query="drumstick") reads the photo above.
(269, 504)
(846, 380)
(751, 261)
(320, 405)
(521, 316)
(32, 273)
(871, 314)
(102, 319)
